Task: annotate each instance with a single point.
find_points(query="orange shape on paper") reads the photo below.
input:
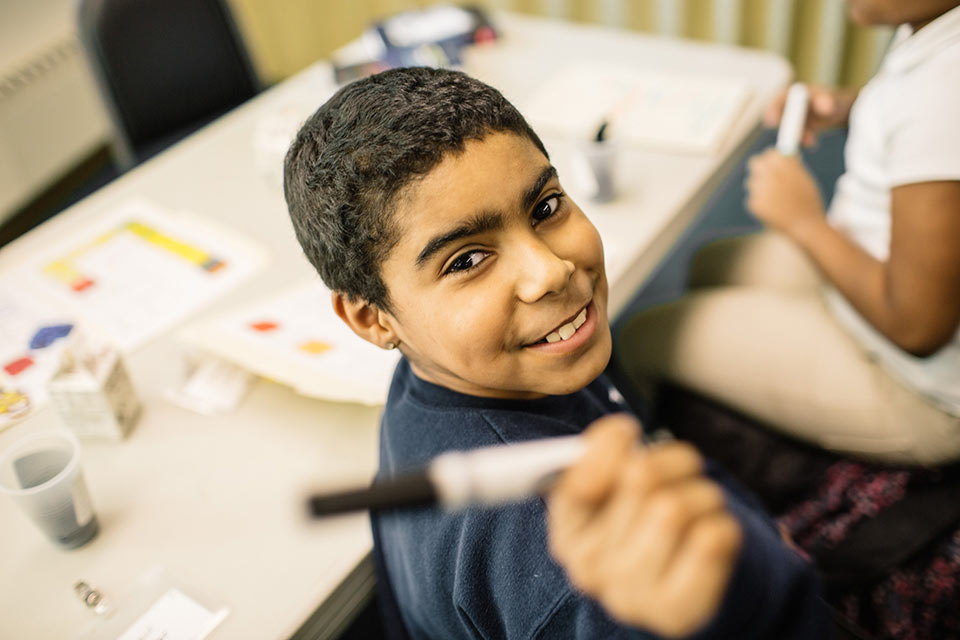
(315, 347)
(266, 325)
(81, 284)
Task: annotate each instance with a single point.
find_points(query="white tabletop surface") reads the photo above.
(218, 501)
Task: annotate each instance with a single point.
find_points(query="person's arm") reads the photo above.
(829, 108)
(912, 297)
(663, 547)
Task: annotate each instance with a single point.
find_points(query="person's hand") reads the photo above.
(643, 531)
(782, 193)
(828, 109)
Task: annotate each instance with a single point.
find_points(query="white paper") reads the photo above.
(296, 338)
(139, 270)
(174, 616)
(674, 112)
(213, 387)
(22, 367)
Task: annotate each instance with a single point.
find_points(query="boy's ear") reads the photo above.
(365, 320)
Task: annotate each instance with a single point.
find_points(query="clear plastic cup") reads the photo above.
(595, 169)
(41, 472)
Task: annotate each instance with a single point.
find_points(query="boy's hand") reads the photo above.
(828, 109)
(642, 530)
(782, 193)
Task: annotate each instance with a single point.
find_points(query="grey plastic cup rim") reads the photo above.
(18, 446)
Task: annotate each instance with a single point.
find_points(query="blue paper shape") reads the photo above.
(45, 336)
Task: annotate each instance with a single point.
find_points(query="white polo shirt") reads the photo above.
(904, 129)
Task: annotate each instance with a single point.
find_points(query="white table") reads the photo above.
(217, 501)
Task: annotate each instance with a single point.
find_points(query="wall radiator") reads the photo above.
(51, 117)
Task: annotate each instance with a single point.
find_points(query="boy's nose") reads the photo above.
(541, 272)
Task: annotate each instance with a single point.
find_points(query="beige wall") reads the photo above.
(287, 35)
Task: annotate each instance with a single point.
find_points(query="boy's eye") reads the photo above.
(546, 208)
(467, 261)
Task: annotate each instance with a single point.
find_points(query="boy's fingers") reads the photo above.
(662, 464)
(609, 441)
(639, 474)
(573, 503)
(668, 516)
(701, 571)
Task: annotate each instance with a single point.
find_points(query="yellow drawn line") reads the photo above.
(182, 249)
(64, 271)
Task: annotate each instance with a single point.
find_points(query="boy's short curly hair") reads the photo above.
(353, 156)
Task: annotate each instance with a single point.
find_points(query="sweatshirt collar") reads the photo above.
(910, 49)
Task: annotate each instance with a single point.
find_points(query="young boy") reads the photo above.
(431, 210)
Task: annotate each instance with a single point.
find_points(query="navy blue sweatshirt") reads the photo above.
(487, 573)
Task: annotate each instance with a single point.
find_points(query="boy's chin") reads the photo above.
(571, 380)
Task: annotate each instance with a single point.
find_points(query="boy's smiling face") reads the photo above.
(492, 259)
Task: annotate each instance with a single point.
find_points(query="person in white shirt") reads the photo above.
(841, 328)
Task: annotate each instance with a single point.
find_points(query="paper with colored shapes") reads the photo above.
(14, 405)
(314, 347)
(32, 338)
(295, 338)
(139, 269)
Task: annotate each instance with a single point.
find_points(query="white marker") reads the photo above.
(794, 115)
(484, 476)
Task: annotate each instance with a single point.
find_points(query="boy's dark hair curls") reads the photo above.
(353, 156)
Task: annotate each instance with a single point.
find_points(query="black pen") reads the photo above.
(602, 132)
(485, 476)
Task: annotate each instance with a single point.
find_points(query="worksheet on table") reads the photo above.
(680, 112)
(296, 338)
(138, 270)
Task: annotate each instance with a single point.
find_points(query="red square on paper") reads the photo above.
(15, 367)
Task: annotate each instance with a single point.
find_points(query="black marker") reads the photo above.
(485, 476)
(602, 132)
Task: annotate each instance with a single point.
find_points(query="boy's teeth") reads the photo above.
(580, 319)
(567, 330)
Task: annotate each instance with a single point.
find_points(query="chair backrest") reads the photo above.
(164, 65)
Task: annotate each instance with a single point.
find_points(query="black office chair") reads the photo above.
(165, 68)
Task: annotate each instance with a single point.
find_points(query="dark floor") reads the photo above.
(367, 625)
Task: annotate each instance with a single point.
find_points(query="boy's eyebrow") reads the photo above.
(531, 194)
(484, 221)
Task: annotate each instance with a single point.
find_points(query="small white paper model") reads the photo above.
(92, 391)
(174, 616)
(139, 269)
(681, 112)
(295, 338)
(212, 387)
